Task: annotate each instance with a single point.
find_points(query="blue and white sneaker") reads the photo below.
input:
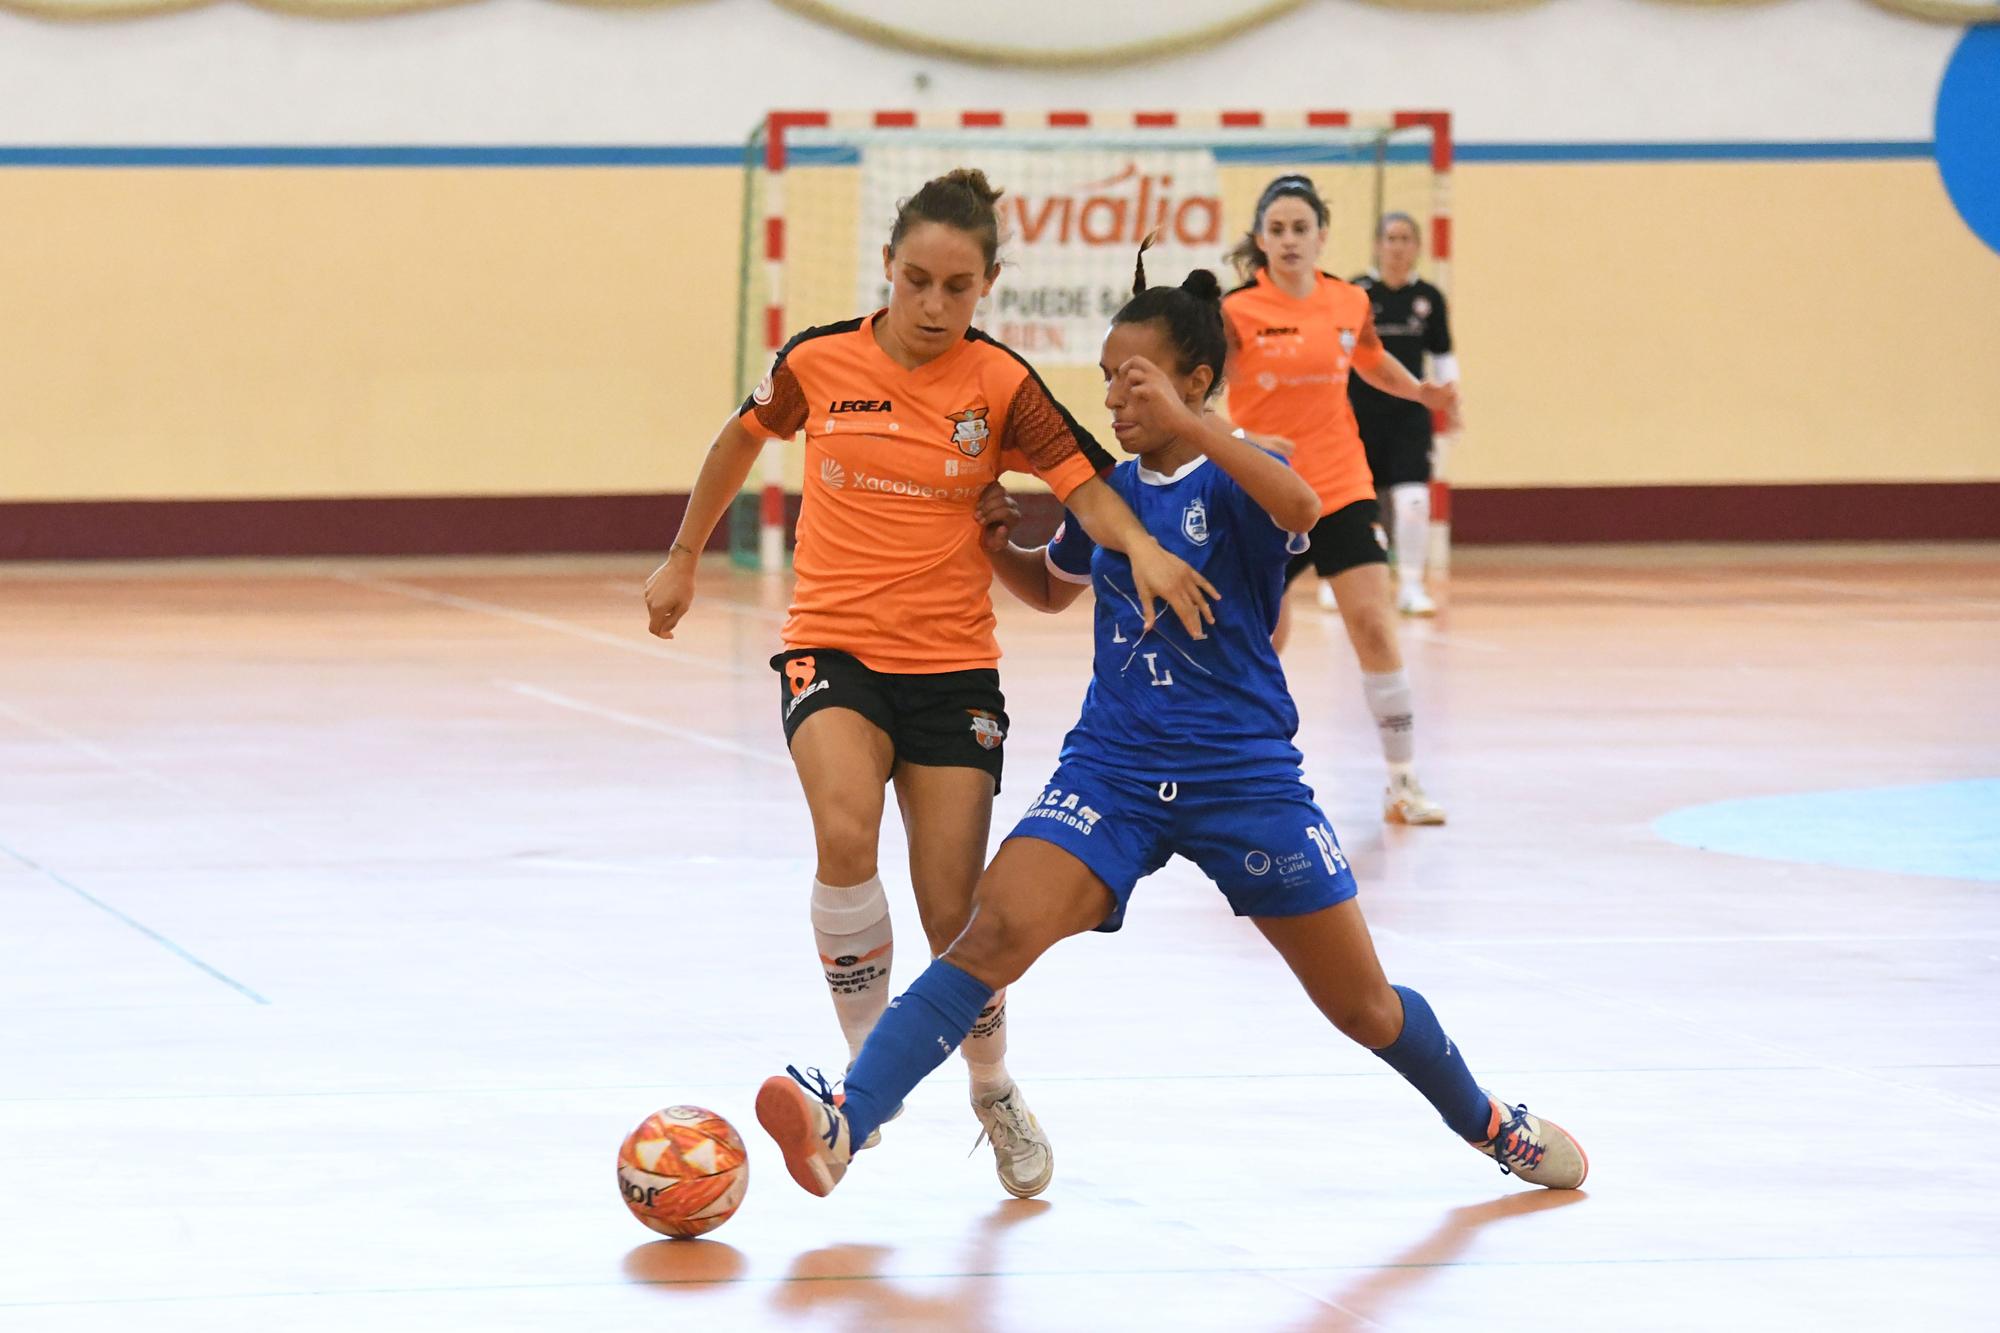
(1539, 1151)
(808, 1128)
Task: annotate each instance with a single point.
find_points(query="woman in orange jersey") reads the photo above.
(888, 672)
(1295, 334)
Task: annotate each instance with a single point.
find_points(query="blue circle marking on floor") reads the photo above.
(1950, 829)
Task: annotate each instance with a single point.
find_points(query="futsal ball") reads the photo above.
(683, 1171)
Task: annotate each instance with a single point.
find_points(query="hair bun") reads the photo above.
(1202, 285)
(974, 180)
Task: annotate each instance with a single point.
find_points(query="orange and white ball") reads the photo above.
(683, 1171)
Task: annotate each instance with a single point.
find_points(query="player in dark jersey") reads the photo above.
(1184, 747)
(1411, 320)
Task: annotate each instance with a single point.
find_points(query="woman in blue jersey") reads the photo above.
(1184, 746)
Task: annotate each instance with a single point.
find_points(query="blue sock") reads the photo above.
(1422, 1054)
(921, 1027)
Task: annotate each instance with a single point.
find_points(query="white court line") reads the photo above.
(1537, 942)
(1970, 1106)
(1866, 593)
(636, 642)
(644, 723)
(730, 604)
(1200, 1269)
(649, 869)
(1784, 610)
(98, 752)
(1426, 634)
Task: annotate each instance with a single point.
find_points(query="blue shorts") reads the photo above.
(1263, 841)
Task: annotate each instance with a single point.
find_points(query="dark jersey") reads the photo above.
(1410, 320)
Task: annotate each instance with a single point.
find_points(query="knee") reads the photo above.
(846, 843)
(1374, 1020)
(992, 947)
(1375, 640)
(942, 927)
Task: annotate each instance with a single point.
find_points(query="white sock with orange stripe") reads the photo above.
(851, 928)
(985, 1048)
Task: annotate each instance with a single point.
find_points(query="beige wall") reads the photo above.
(1627, 324)
(305, 332)
(184, 333)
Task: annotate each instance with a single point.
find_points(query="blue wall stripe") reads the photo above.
(730, 155)
(1695, 152)
(385, 155)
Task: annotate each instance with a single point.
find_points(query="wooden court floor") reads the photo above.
(351, 912)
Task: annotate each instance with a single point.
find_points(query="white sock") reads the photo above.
(985, 1048)
(851, 928)
(1412, 505)
(1388, 695)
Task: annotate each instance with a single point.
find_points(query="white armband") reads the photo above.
(1049, 559)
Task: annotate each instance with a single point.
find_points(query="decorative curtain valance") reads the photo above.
(1021, 32)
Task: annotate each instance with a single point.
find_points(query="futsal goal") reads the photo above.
(1082, 188)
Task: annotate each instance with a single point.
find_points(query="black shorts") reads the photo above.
(1346, 539)
(1398, 440)
(945, 719)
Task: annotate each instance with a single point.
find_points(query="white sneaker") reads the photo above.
(1416, 602)
(1326, 598)
(1022, 1156)
(808, 1128)
(1404, 802)
(1539, 1151)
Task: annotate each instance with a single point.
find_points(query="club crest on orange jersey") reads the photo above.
(986, 729)
(968, 430)
(1348, 337)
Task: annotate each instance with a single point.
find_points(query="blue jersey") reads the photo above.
(1162, 706)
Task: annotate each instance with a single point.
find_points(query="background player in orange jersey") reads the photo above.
(1295, 334)
(889, 665)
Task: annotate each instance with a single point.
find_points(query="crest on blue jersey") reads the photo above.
(1194, 522)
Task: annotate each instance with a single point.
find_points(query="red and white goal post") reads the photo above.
(1082, 188)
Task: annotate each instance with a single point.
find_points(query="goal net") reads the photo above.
(1081, 190)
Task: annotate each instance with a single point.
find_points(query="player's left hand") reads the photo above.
(1160, 575)
(1151, 399)
(1439, 397)
(997, 513)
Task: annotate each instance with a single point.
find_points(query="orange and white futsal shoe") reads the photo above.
(808, 1128)
(1405, 802)
(1539, 1151)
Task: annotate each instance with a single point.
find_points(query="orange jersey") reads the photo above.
(1288, 367)
(888, 561)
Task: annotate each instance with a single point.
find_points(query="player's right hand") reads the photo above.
(669, 592)
(997, 514)
(1158, 573)
(1439, 397)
